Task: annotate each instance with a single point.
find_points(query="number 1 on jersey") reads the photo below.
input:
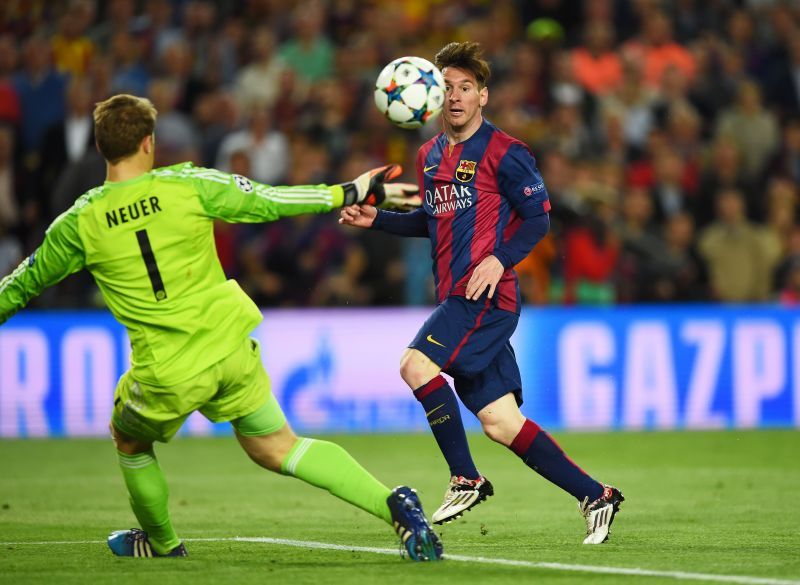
(152, 266)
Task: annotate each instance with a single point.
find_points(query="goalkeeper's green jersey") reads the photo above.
(149, 243)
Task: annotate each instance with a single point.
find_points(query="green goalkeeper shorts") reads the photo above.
(232, 388)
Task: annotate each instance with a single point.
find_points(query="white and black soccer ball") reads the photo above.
(409, 91)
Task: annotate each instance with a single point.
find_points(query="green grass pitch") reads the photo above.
(719, 503)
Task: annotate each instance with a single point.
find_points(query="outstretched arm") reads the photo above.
(60, 254)
(237, 199)
(413, 224)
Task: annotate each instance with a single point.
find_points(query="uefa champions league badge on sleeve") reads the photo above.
(531, 189)
(243, 183)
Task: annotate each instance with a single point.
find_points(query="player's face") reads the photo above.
(464, 99)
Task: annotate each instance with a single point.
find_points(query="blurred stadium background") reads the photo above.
(668, 134)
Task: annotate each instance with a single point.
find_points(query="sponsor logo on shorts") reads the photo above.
(432, 340)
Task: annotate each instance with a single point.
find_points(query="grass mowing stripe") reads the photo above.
(597, 569)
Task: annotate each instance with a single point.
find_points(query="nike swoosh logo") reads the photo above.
(432, 340)
(434, 410)
(426, 169)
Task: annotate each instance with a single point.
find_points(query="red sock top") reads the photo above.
(522, 442)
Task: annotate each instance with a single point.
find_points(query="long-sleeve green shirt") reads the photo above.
(149, 243)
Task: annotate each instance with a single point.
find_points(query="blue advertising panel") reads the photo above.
(662, 367)
(337, 370)
(58, 372)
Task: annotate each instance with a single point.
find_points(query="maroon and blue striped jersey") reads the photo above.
(476, 195)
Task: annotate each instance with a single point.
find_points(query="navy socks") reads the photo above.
(532, 444)
(444, 416)
(542, 454)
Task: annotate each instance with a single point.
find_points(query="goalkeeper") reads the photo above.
(147, 238)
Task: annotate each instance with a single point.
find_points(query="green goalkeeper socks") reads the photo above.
(148, 493)
(327, 465)
(320, 463)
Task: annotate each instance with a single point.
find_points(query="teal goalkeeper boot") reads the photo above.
(136, 543)
(408, 519)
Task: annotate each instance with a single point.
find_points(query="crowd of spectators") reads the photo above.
(668, 133)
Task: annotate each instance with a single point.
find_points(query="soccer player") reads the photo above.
(485, 208)
(147, 238)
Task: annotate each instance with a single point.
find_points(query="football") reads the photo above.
(409, 91)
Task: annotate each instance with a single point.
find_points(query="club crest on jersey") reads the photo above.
(465, 170)
(243, 183)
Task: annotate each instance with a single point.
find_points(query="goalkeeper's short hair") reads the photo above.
(121, 123)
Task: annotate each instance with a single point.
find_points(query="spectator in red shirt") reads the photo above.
(591, 251)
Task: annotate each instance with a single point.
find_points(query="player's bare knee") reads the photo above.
(270, 461)
(116, 442)
(498, 428)
(502, 420)
(409, 373)
(494, 431)
(269, 451)
(417, 369)
(278, 453)
(128, 445)
(262, 455)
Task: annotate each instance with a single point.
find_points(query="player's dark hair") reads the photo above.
(468, 56)
(121, 123)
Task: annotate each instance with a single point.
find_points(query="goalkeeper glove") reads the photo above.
(368, 188)
(403, 196)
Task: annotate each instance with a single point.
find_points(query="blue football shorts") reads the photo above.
(469, 340)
